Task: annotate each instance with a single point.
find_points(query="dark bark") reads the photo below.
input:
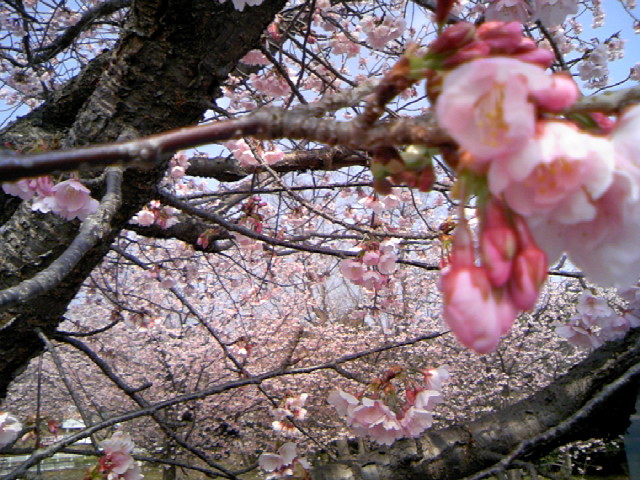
(164, 73)
(227, 169)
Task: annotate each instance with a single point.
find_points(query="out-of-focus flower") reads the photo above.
(10, 428)
(557, 174)
(508, 11)
(554, 12)
(255, 57)
(497, 118)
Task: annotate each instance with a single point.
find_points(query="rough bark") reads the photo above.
(164, 73)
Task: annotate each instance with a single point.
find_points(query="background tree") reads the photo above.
(226, 265)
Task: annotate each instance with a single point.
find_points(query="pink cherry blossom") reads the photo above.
(508, 11)
(255, 57)
(382, 31)
(272, 84)
(497, 117)
(387, 263)
(241, 152)
(284, 463)
(553, 12)
(26, 189)
(342, 45)
(578, 335)
(605, 246)
(352, 270)
(415, 421)
(117, 454)
(373, 280)
(10, 428)
(557, 174)
(70, 199)
(343, 402)
(376, 420)
(371, 258)
(428, 399)
(21, 188)
(145, 218)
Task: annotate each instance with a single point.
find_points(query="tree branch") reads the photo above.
(91, 231)
(70, 34)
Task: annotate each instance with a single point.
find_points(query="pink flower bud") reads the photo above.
(528, 275)
(469, 307)
(453, 38)
(498, 243)
(501, 37)
(498, 247)
(506, 310)
(529, 269)
(539, 56)
(472, 51)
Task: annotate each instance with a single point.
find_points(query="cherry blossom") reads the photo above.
(283, 464)
(553, 12)
(596, 322)
(497, 118)
(10, 428)
(292, 409)
(508, 11)
(117, 461)
(255, 57)
(158, 214)
(436, 377)
(70, 199)
(557, 174)
(381, 31)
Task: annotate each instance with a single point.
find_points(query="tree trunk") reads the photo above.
(164, 73)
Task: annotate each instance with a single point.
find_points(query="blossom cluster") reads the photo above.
(579, 191)
(243, 153)
(596, 322)
(550, 12)
(292, 408)
(375, 418)
(372, 267)
(156, 214)
(69, 199)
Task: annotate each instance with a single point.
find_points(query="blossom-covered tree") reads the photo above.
(378, 174)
